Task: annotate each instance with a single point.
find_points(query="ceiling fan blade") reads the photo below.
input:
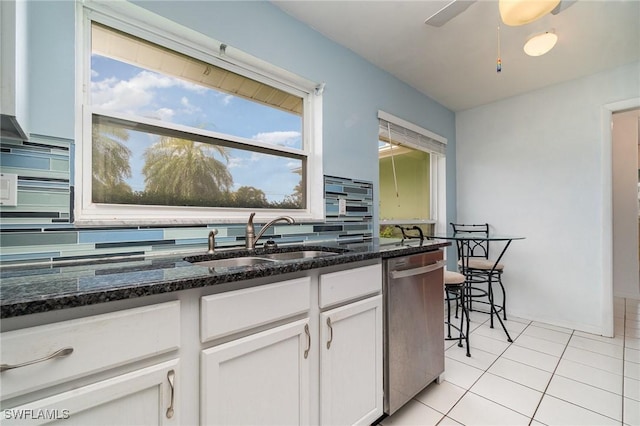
(562, 6)
(448, 12)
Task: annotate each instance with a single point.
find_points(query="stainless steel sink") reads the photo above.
(234, 262)
(257, 259)
(303, 254)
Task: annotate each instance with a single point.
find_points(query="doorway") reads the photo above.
(625, 126)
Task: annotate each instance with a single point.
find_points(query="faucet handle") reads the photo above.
(212, 240)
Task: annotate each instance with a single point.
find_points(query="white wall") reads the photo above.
(532, 165)
(625, 204)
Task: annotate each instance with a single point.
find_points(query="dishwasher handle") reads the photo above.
(417, 271)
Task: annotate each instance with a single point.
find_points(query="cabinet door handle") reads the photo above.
(171, 375)
(60, 353)
(306, 331)
(331, 331)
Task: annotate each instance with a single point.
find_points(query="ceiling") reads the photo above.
(456, 64)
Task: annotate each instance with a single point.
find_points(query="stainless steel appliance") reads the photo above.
(414, 332)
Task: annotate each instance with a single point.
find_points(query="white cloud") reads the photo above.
(286, 138)
(244, 162)
(227, 99)
(236, 162)
(164, 114)
(136, 95)
(189, 108)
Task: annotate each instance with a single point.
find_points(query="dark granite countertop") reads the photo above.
(41, 288)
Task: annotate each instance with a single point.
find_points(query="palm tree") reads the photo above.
(110, 163)
(182, 171)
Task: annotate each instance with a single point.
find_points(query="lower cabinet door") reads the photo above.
(351, 363)
(261, 379)
(143, 397)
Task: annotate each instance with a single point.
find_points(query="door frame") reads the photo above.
(607, 209)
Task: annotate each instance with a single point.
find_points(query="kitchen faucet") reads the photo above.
(250, 235)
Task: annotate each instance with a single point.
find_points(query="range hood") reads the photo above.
(10, 128)
(13, 70)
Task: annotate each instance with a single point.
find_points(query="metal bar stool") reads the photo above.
(454, 290)
(479, 268)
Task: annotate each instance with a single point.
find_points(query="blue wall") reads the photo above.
(355, 89)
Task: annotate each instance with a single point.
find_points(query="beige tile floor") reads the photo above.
(548, 376)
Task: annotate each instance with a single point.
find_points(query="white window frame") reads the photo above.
(142, 23)
(437, 166)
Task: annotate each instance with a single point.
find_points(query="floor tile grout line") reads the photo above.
(553, 374)
(550, 379)
(478, 379)
(465, 391)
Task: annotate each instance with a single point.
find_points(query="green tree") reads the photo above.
(248, 196)
(185, 171)
(110, 163)
(296, 199)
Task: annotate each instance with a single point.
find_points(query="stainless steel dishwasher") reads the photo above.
(414, 325)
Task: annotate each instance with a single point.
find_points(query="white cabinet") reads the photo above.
(261, 379)
(351, 346)
(262, 375)
(96, 343)
(307, 351)
(302, 351)
(142, 397)
(97, 379)
(351, 363)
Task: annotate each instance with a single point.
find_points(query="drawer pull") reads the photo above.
(306, 331)
(170, 377)
(330, 335)
(57, 354)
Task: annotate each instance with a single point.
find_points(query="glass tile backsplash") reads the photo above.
(40, 228)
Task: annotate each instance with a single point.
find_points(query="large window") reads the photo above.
(170, 132)
(412, 179)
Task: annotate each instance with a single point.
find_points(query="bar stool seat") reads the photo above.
(454, 286)
(483, 264)
(453, 278)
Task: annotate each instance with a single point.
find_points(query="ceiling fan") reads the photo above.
(456, 7)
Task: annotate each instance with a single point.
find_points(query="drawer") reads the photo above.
(235, 311)
(99, 342)
(342, 286)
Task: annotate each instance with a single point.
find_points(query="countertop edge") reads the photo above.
(200, 279)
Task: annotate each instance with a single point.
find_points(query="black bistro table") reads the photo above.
(465, 243)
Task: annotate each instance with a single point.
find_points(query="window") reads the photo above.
(172, 131)
(412, 179)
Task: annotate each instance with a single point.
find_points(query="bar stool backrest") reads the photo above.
(476, 248)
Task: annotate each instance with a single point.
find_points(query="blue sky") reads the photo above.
(121, 87)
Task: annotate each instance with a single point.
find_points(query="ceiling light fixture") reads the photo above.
(540, 44)
(520, 12)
